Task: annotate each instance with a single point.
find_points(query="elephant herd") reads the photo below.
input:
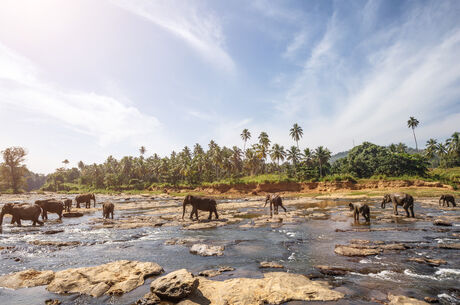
(397, 199)
(26, 211)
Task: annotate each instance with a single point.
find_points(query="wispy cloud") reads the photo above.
(196, 26)
(103, 117)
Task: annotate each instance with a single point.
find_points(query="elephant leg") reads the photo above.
(210, 214)
(191, 214)
(196, 213)
(412, 211)
(215, 212)
(283, 208)
(271, 214)
(18, 220)
(60, 215)
(395, 208)
(407, 211)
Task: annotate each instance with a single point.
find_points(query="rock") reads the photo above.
(26, 278)
(201, 226)
(455, 246)
(330, 270)
(403, 300)
(53, 232)
(354, 251)
(175, 285)
(213, 272)
(393, 247)
(148, 299)
(274, 288)
(442, 222)
(54, 243)
(112, 278)
(52, 302)
(431, 300)
(270, 265)
(207, 250)
(181, 241)
(72, 214)
(428, 261)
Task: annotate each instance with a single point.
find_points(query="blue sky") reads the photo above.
(86, 79)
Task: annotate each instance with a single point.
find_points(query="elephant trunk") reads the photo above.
(183, 212)
(383, 204)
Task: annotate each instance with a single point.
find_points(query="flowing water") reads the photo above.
(299, 247)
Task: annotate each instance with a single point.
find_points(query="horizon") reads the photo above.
(82, 80)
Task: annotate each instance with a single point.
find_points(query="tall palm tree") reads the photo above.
(412, 123)
(277, 153)
(245, 135)
(264, 140)
(296, 133)
(322, 155)
(142, 150)
(293, 155)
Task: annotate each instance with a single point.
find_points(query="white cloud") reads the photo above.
(103, 117)
(200, 29)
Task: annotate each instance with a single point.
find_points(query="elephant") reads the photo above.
(446, 198)
(359, 208)
(22, 211)
(86, 198)
(52, 206)
(275, 201)
(402, 199)
(67, 204)
(107, 209)
(198, 203)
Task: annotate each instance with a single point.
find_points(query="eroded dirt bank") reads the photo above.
(314, 251)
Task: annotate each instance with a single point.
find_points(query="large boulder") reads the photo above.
(26, 278)
(113, 278)
(207, 250)
(175, 285)
(403, 300)
(274, 288)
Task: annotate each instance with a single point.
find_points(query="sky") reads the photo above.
(82, 80)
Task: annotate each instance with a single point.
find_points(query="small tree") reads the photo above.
(12, 167)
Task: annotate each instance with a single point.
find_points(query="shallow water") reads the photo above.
(299, 247)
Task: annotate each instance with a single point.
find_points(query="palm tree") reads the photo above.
(431, 147)
(453, 143)
(296, 133)
(412, 123)
(307, 155)
(142, 150)
(65, 162)
(293, 155)
(277, 153)
(245, 135)
(401, 148)
(81, 165)
(322, 155)
(264, 140)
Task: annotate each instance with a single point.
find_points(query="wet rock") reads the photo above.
(331, 270)
(54, 243)
(72, 214)
(274, 288)
(181, 241)
(112, 278)
(175, 285)
(270, 265)
(355, 251)
(52, 302)
(207, 250)
(442, 222)
(53, 232)
(393, 247)
(148, 299)
(428, 261)
(455, 246)
(431, 300)
(214, 272)
(403, 300)
(26, 278)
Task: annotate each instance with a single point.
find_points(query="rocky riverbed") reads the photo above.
(312, 253)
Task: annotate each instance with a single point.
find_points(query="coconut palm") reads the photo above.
(431, 147)
(264, 140)
(81, 165)
(412, 123)
(401, 148)
(277, 153)
(65, 162)
(322, 155)
(293, 155)
(245, 135)
(307, 155)
(296, 133)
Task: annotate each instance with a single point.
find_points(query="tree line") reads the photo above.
(197, 165)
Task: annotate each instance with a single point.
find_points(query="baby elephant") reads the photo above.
(360, 208)
(107, 209)
(275, 201)
(67, 204)
(446, 198)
